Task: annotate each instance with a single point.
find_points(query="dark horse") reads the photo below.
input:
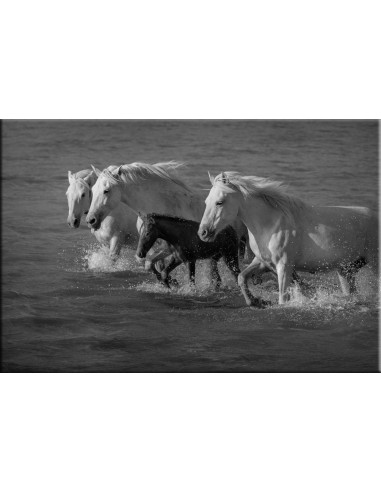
(187, 247)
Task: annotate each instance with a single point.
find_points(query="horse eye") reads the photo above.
(106, 191)
(83, 195)
(219, 203)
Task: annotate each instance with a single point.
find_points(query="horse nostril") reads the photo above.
(76, 221)
(204, 233)
(92, 221)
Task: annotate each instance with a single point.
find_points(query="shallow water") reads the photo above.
(67, 307)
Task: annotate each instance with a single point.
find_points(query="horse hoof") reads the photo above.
(265, 304)
(173, 282)
(257, 303)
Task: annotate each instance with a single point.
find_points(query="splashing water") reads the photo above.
(97, 259)
(321, 293)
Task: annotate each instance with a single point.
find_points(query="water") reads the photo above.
(66, 307)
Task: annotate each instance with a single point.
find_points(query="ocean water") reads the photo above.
(66, 307)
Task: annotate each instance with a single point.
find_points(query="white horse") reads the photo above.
(118, 228)
(286, 233)
(147, 188)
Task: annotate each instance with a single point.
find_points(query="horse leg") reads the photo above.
(192, 271)
(157, 258)
(257, 275)
(156, 264)
(243, 277)
(214, 271)
(249, 255)
(115, 247)
(232, 263)
(242, 247)
(164, 274)
(347, 274)
(156, 272)
(284, 271)
(346, 282)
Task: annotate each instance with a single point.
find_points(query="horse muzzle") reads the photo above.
(74, 223)
(206, 234)
(93, 222)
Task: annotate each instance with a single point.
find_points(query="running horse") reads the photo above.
(117, 229)
(148, 188)
(181, 234)
(287, 233)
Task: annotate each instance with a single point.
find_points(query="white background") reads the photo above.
(180, 432)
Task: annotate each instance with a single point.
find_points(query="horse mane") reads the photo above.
(82, 174)
(139, 171)
(270, 191)
(80, 177)
(171, 218)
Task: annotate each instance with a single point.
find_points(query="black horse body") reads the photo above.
(182, 235)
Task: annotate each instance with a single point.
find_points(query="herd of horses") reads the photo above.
(149, 208)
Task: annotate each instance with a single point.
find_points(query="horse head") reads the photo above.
(148, 236)
(78, 197)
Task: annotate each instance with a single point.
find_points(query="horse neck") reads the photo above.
(166, 230)
(257, 215)
(162, 197)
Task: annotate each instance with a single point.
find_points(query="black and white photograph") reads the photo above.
(190, 245)
(190, 196)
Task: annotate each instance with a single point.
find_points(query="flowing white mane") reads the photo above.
(270, 191)
(80, 176)
(138, 171)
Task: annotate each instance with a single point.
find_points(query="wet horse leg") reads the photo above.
(214, 270)
(346, 282)
(164, 274)
(232, 263)
(157, 258)
(347, 274)
(255, 267)
(192, 271)
(285, 272)
(156, 264)
(115, 247)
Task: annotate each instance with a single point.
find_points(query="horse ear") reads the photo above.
(97, 171)
(139, 224)
(90, 179)
(224, 178)
(211, 178)
(70, 176)
(117, 172)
